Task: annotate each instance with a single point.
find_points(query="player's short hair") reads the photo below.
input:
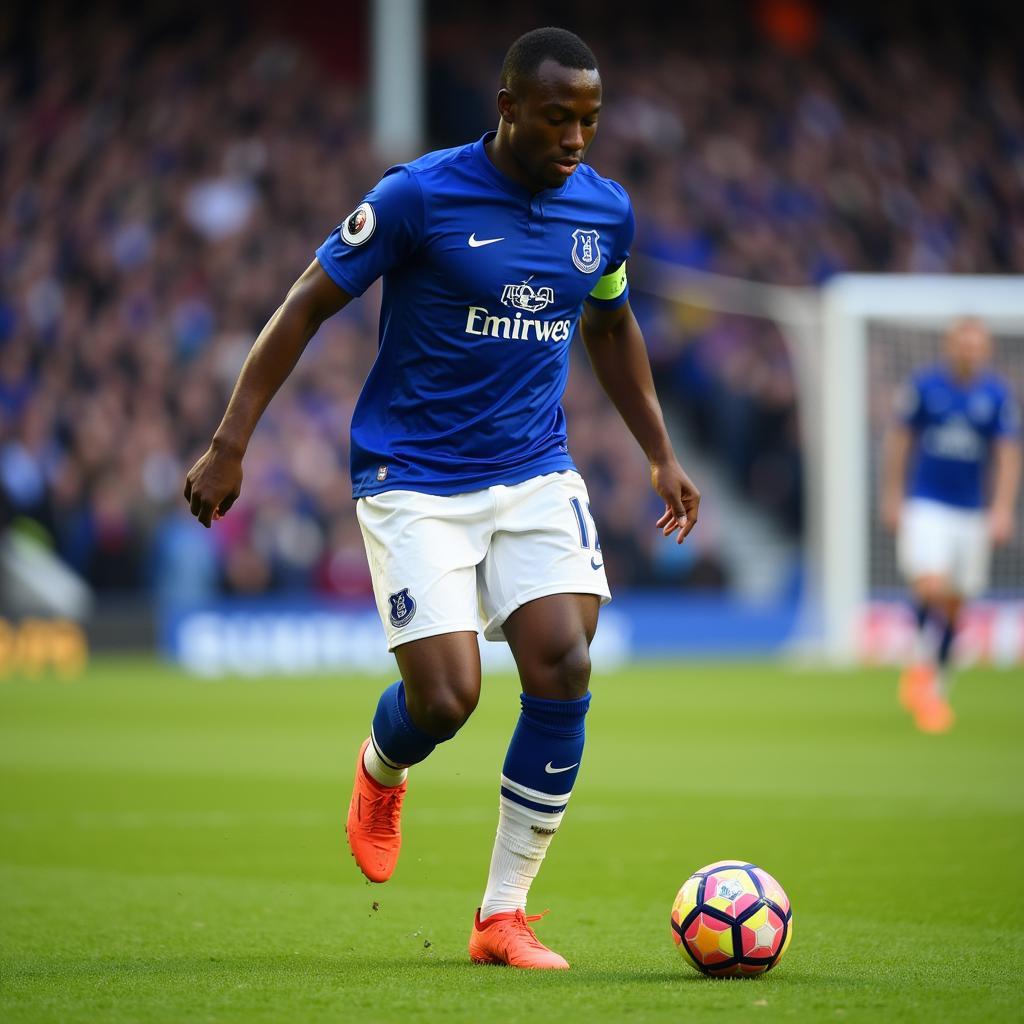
(529, 51)
(968, 321)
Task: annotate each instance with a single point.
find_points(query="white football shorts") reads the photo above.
(446, 563)
(936, 539)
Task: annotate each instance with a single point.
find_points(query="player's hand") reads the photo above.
(213, 484)
(681, 497)
(1000, 526)
(890, 514)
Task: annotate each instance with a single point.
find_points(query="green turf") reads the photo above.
(172, 850)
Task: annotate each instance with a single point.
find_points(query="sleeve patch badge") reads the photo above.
(360, 224)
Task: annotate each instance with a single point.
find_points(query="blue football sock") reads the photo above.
(921, 614)
(924, 639)
(396, 739)
(946, 644)
(546, 748)
(540, 769)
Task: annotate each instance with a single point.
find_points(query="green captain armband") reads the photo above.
(611, 286)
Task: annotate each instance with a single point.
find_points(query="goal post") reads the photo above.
(851, 343)
(875, 329)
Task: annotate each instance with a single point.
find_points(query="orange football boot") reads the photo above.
(507, 938)
(934, 715)
(917, 685)
(374, 823)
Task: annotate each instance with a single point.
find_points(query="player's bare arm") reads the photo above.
(215, 481)
(895, 455)
(618, 354)
(1006, 482)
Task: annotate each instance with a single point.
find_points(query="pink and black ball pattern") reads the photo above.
(732, 918)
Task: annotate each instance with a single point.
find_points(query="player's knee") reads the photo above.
(444, 710)
(931, 590)
(569, 671)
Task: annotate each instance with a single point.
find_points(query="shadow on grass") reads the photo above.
(351, 966)
(579, 973)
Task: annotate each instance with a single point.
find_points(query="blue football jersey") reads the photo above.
(484, 283)
(955, 425)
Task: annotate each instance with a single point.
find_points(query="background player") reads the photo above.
(957, 430)
(467, 495)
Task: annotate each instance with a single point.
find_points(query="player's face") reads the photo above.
(552, 121)
(969, 346)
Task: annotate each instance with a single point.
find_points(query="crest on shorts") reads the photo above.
(403, 608)
(585, 252)
(360, 224)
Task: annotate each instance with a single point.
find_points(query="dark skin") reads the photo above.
(546, 126)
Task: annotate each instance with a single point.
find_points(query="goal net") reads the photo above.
(896, 349)
(876, 330)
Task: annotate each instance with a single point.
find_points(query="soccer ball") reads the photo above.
(732, 918)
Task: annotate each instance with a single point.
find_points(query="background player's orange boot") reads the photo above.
(374, 823)
(916, 684)
(509, 939)
(934, 715)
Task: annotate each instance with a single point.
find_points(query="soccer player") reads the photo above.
(957, 430)
(467, 496)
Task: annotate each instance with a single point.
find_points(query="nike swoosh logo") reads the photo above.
(595, 564)
(554, 771)
(475, 243)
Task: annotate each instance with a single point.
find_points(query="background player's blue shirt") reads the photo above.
(483, 286)
(955, 425)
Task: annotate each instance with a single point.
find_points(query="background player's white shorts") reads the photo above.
(445, 563)
(936, 539)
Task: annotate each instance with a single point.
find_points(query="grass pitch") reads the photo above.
(173, 850)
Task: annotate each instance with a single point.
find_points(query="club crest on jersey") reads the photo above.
(585, 252)
(524, 296)
(403, 608)
(980, 407)
(360, 224)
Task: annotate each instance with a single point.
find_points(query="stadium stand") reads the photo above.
(165, 178)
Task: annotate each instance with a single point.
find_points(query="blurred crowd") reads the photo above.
(165, 177)
(164, 181)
